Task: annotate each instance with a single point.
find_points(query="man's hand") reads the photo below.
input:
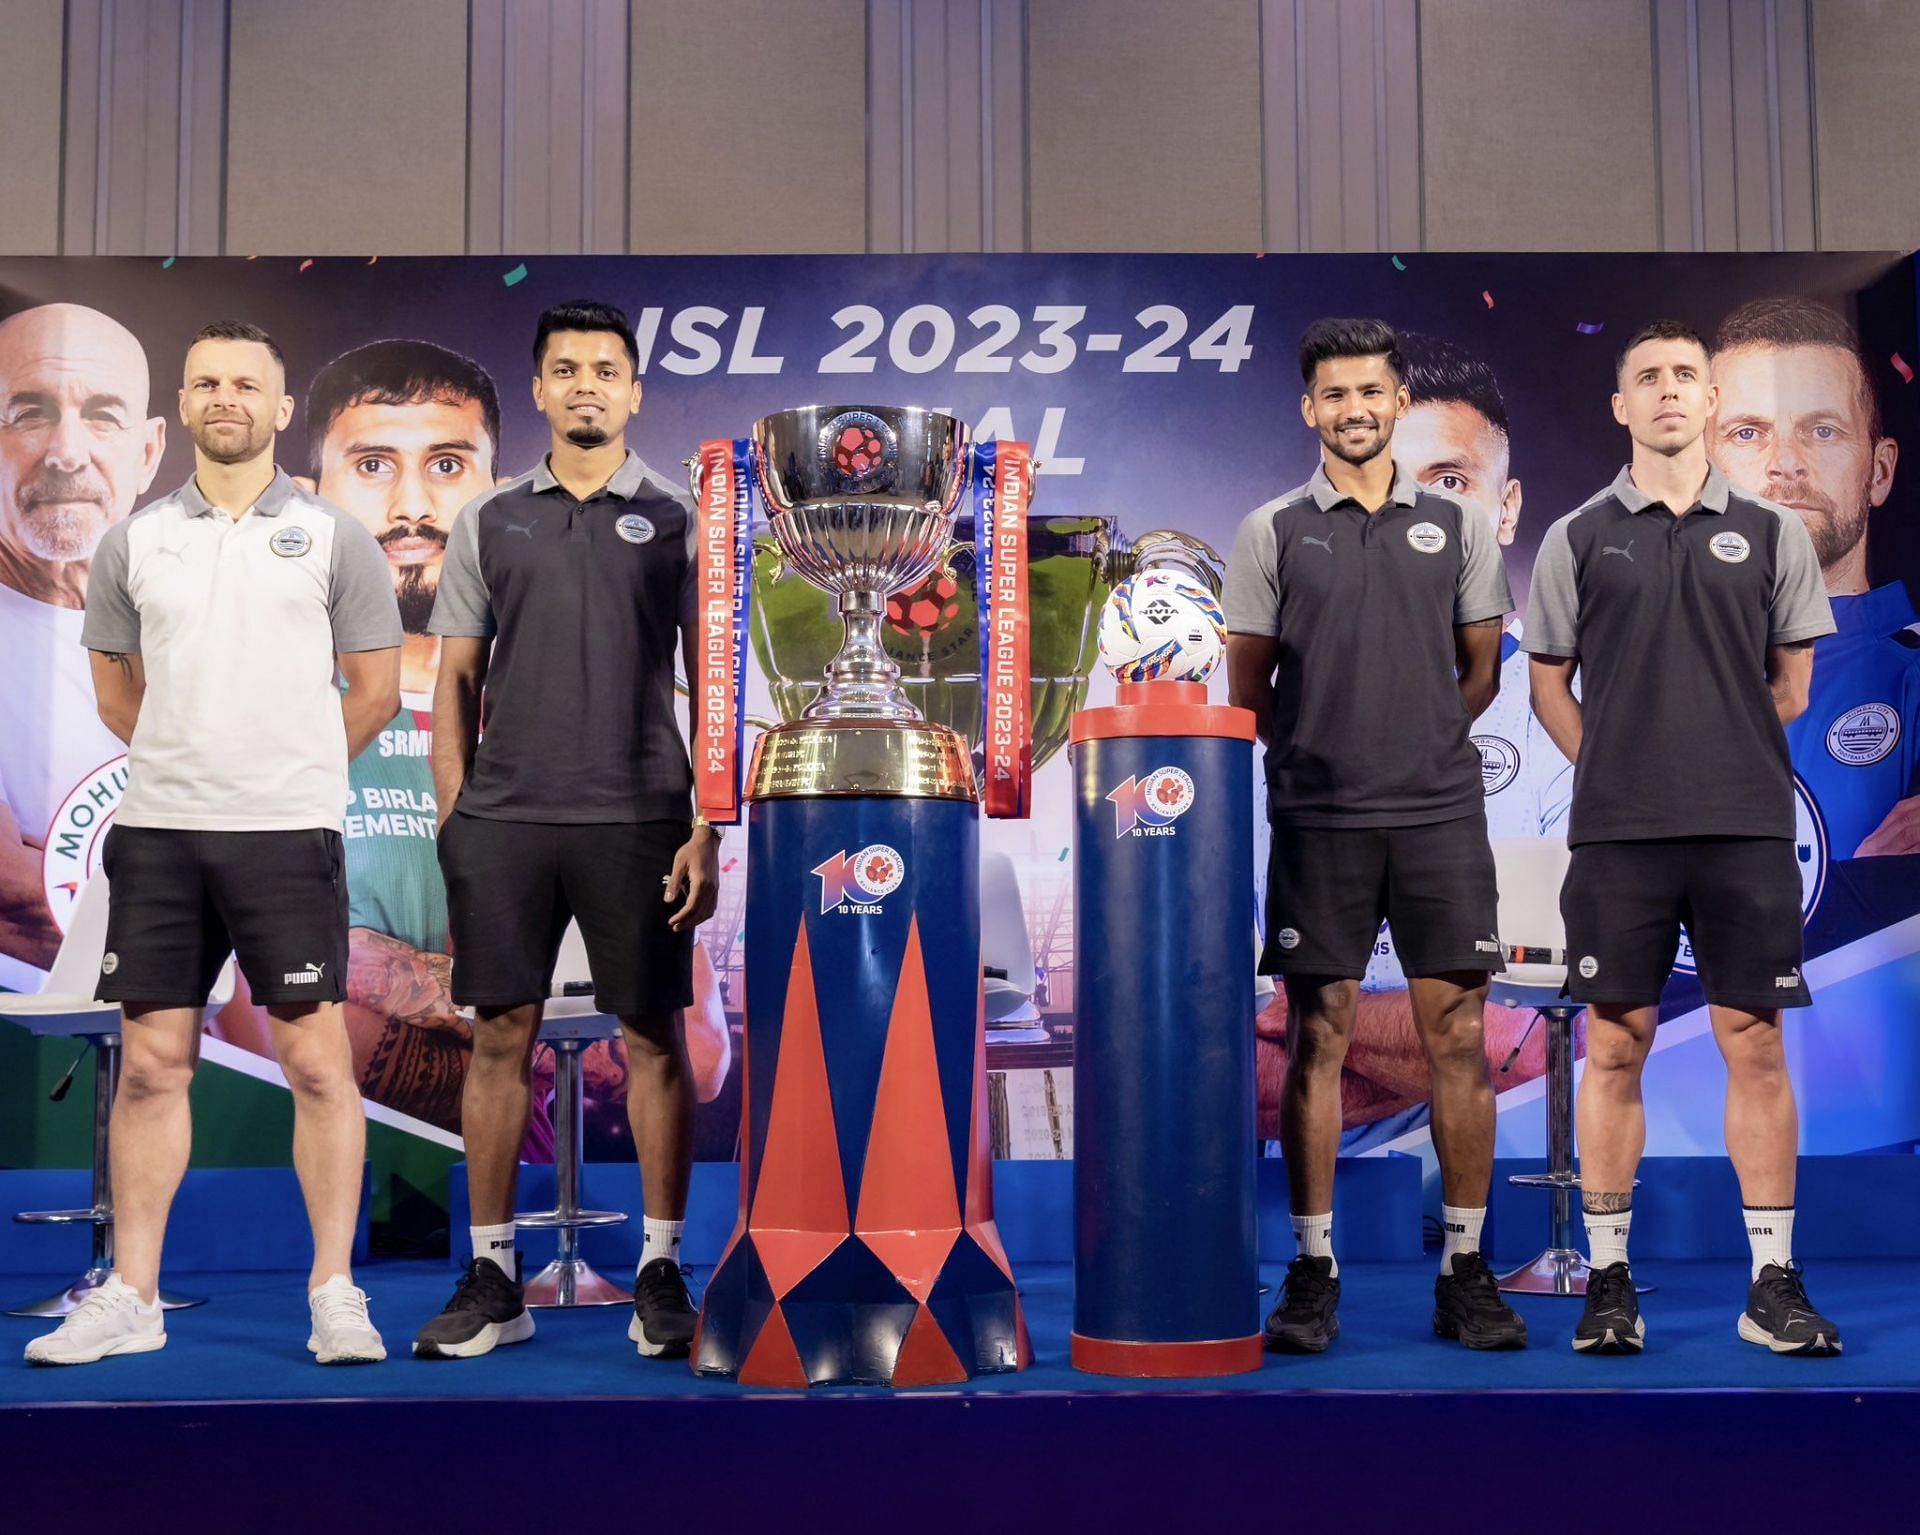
(27, 929)
(696, 878)
(392, 979)
(1898, 833)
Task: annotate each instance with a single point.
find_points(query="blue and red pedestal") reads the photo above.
(866, 1250)
(1163, 1083)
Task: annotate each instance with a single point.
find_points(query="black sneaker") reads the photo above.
(487, 1309)
(1780, 1317)
(1303, 1320)
(663, 1315)
(1611, 1323)
(1467, 1305)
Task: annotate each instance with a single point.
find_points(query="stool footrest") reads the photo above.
(565, 1282)
(559, 1220)
(1545, 1180)
(94, 1217)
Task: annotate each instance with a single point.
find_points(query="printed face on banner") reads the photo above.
(1449, 445)
(77, 447)
(1796, 425)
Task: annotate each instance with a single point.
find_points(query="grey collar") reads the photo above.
(625, 484)
(1406, 489)
(1713, 494)
(273, 500)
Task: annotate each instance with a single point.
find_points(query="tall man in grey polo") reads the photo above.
(1364, 619)
(216, 618)
(564, 598)
(1691, 611)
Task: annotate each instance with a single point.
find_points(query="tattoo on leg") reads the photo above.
(1599, 1202)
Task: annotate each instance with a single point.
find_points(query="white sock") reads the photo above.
(1462, 1229)
(495, 1242)
(660, 1239)
(1770, 1233)
(1314, 1236)
(1607, 1236)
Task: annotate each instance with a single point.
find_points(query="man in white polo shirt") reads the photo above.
(216, 618)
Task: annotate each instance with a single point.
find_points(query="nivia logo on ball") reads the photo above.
(855, 884)
(1809, 850)
(1148, 807)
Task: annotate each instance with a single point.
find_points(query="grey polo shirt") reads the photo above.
(237, 622)
(1369, 728)
(1670, 617)
(584, 601)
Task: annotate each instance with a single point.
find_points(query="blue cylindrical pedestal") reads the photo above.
(866, 1250)
(1165, 1254)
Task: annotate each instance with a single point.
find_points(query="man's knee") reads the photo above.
(504, 1041)
(1613, 1050)
(1320, 1019)
(147, 1075)
(656, 1038)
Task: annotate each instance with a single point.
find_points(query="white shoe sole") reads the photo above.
(651, 1350)
(1611, 1342)
(1754, 1333)
(141, 1345)
(490, 1337)
(363, 1356)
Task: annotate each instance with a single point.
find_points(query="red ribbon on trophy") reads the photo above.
(1003, 489)
(723, 503)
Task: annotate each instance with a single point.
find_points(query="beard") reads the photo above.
(586, 435)
(1835, 531)
(415, 593)
(1337, 446)
(249, 444)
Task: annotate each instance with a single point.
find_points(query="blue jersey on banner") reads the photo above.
(1854, 748)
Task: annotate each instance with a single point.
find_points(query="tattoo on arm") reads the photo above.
(1598, 1202)
(122, 660)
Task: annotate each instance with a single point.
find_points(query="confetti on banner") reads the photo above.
(168, 262)
(518, 274)
(730, 865)
(1902, 367)
(1591, 327)
(371, 260)
(1399, 265)
(307, 263)
(1487, 296)
(1063, 855)
(253, 258)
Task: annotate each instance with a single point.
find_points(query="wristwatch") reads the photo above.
(719, 832)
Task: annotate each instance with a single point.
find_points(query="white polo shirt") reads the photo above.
(237, 622)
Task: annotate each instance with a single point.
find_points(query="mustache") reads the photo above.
(424, 530)
(57, 485)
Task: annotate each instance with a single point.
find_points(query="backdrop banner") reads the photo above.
(1158, 392)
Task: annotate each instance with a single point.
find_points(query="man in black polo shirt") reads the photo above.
(1691, 611)
(1364, 618)
(562, 596)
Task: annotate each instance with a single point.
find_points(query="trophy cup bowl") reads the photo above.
(861, 501)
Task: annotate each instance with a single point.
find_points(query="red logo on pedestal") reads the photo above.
(857, 882)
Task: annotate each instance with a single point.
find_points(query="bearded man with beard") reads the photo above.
(1798, 423)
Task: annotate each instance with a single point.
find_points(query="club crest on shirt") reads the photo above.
(291, 543)
(1864, 735)
(1731, 547)
(634, 528)
(1427, 537)
(1499, 762)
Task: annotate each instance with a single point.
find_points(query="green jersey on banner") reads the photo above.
(393, 875)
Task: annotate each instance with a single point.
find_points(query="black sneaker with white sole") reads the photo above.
(1780, 1317)
(1468, 1305)
(487, 1309)
(663, 1314)
(1305, 1319)
(1611, 1323)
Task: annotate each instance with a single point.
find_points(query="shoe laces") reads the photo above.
(1611, 1288)
(100, 1303)
(341, 1306)
(470, 1294)
(1471, 1273)
(1785, 1284)
(1307, 1283)
(664, 1283)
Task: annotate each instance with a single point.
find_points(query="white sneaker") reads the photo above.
(342, 1331)
(110, 1320)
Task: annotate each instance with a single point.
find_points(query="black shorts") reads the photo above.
(513, 886)
(1739, 897)
(178, 902)
(1329, 888)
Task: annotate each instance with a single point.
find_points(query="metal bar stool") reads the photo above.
(569, 1024)
(66, 1009)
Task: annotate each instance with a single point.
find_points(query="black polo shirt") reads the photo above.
(1670, 616)
(1369, 728)
(584, 601)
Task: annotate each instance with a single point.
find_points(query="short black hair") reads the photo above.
(1794, 321)
(588, 315)
(241, 330)
(1328, 339)
(399, 372)
(1657, 330)
(1438, 373)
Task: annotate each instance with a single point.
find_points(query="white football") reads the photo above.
(1162, 625)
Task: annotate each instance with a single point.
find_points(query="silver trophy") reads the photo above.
(861, 500)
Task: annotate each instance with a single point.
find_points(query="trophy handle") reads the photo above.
(1182, 551)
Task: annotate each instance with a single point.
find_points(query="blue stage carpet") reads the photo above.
(1393, 1429)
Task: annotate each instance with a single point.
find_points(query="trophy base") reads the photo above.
(903, 759)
